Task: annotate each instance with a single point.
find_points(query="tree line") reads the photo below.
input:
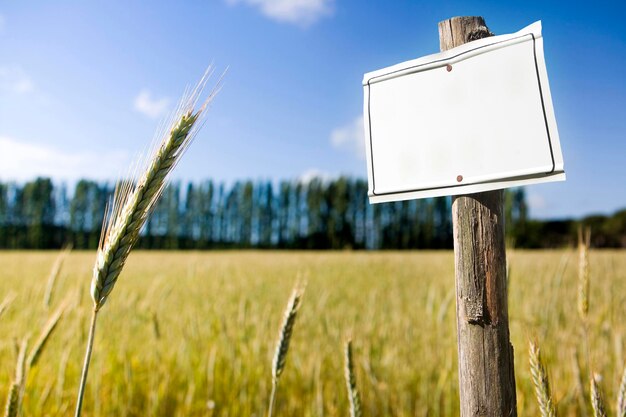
(315, 214)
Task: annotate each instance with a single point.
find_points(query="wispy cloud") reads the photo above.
(150, 106)
(21, 160)
(14, 80)
(350, 137)
(298, 12)
(311, 174)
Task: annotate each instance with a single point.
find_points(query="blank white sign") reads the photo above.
(474, 118)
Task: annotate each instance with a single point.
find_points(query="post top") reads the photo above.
(458, 30)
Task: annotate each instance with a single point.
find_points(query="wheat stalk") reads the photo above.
(284, 337)
(540, 381)
(353, 392)
(597, 403)
(54, 274)
(132, 203)
(583, 272)
(621, 396)
(60, 385)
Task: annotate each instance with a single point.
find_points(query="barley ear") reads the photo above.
(353, 392)
(621, 396)
(284, 337)
(540, 381)
(597, 403)
(584, 240)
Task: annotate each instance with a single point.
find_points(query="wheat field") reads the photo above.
(193, 333)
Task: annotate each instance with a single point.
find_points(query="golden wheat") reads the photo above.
(597, 401)
(540, 381)
(16, 390)
(6, 302)
(132, 203)
(284, 337)
(54, 274)
(353, 392)
(621, 396)
(583, 272)
(46, 332)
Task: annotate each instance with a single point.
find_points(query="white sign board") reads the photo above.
(474, 118)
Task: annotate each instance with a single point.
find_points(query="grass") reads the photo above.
(217, 315)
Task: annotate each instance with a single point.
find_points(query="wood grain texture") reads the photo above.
(486, 373)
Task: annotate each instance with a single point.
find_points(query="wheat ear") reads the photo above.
(284, 337)
(6, 302)
(583, 272)
(12, 407)
(46, 332)
(540, 381)
(132, 203)
(597, 403)
(54, 274)
(353, 392)
(14, 397)
(621, 396)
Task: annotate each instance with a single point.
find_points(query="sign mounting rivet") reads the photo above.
(448, 67)
(459, 178)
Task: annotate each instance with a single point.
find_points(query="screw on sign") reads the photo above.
(491, 119)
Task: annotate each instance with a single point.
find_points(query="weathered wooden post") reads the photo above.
(486, 374)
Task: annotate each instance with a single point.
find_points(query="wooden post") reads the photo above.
(486, 374)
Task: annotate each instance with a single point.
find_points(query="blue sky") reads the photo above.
(83, 85)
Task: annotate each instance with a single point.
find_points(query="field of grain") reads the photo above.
(193, 333)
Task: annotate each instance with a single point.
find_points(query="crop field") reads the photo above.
(193, 333)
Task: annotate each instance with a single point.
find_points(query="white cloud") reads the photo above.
(20, 160)
(298, 12)
(536, 202)
(311, 174)
(350, 137)
(149, 106)
(14, 80)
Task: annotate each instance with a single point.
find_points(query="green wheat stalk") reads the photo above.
(131, 206)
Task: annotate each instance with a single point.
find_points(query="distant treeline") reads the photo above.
(316, 214)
